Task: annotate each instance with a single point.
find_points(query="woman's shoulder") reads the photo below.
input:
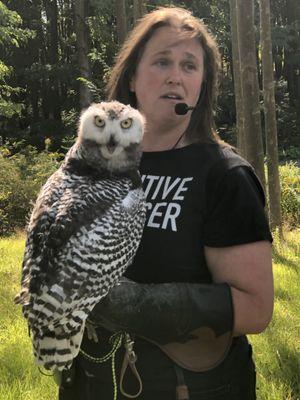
(229, 169)
(223, 152)
(221, 157)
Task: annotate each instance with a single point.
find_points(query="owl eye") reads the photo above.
(99, 121)
(126, 123)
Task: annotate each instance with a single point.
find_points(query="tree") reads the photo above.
(53, 98)
(270, 116)
(139, 9)
(121, 20)
(44, 71)
(291, 50)
(254, 152)
(80, 7)
(286, 51)
(11, 36)
(237, 79)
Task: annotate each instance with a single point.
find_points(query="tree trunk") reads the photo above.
(53, 58)
(237, 79)
(139, 9)
(291, 67)
(82, 51)
(249, 78)
(298, 104)
(34, 100)
(278, 61)
(270, 117)
(121, 20)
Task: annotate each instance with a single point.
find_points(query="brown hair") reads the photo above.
(201, 127)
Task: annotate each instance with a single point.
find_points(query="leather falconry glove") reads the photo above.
(192, 323)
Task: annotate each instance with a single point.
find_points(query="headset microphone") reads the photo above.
(183, 108)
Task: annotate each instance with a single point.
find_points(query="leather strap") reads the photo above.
(204, 350)
(130, 360)
(182, 391)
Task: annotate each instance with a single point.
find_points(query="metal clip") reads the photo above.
(129, 342)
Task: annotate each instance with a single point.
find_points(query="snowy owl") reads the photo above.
(84, 231)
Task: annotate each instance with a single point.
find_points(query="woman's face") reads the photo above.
(170, 71)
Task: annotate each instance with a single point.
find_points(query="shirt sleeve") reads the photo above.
(235, 210)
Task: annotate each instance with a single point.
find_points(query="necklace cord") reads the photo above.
(179, 139)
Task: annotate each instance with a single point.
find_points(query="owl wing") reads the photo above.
(80, 241)
(72, 205)
(43, 215)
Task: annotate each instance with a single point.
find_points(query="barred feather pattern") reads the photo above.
(83, 233)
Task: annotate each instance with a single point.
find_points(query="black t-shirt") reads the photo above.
(199, 195)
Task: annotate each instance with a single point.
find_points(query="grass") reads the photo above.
(19, 377)
(276, 351)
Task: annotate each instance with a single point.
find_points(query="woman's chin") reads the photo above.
(173, 120)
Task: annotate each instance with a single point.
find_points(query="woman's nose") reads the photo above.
(174, 76)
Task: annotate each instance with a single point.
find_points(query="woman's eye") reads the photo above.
(126, 123)
(190, 66)
(162, 62)
(99, 121)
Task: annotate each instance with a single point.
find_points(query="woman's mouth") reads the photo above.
(172, 96)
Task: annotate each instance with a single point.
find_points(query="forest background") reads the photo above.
(55, 58)
(40, 76)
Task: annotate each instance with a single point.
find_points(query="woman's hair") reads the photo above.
(201, 127)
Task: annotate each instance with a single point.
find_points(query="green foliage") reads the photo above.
(10, 31)
(290, 194)
(23, 170)
(285, 35)
(103, 45)
(7, 107)
(286, 117)
(67, 142)
(4, 70)
(12, 192)
(45, 68)
(93, 89)
(291, 153)
(11, 35)
(10, 109)
(21, 176)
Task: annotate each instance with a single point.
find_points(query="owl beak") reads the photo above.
(111, 145)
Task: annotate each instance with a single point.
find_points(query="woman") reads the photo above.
(203, 271)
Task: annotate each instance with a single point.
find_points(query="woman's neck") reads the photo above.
(160, 138)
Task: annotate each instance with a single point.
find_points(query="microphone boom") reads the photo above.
(182, 108)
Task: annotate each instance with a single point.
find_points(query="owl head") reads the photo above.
(110, 134)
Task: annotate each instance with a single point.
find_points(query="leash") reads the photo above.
(129, 360)
(116, 340)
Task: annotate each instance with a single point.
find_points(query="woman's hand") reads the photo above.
(247, 269)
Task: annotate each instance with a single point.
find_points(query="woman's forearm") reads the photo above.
(247, 269)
